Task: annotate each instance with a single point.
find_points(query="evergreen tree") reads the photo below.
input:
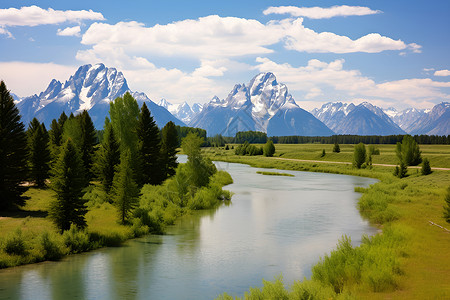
(39, 153)
(269, 149)
(408, 151)
(149, 149)
(400, 170)
(62, 119)
(108, 158)
(198, 168)
(447, 206)
(88, 141)
(68, 181)
(359, 155)
(426, 169)
(55, 139)
(125, 191)
(169, 149)
(13, 152)
(336, 148)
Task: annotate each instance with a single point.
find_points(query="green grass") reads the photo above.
(274, 173)
(408, 260)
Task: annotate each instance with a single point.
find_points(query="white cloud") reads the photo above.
(327, 80)
(26, 79)
(442, 73)
(8, 34)
(69, 31)
(320, 12)
(34, 16)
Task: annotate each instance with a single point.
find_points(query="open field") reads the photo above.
(408, 204)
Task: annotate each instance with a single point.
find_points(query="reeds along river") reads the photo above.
(274, 225)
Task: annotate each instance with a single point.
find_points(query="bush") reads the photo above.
(359, 155)
(76, 240)
(51, 246)
(373, 150)
(269, 149)
(336, 148)
(15, 243)
(400, 171)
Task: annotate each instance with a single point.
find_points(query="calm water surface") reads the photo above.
(275, 225)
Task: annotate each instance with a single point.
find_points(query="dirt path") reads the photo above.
(349, 163)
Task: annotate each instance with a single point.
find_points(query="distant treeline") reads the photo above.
(256, 137)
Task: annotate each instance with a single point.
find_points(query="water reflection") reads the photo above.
(275, 225)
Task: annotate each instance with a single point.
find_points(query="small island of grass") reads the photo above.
(274, 173)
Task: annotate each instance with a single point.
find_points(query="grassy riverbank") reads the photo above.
(29, 236)
(409, 260)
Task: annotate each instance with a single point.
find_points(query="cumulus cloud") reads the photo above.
(34, 16)
(318, 78)
(320, 12)
(8, 34)
(26, 79)
(442, 73)
(69, 31)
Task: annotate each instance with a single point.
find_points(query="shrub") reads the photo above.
(336, 148)
(76, 240)
(323, 153)
(359, 155)
(426, 169)
(52, 247)
(373, 150)
(15, 243)
(269, 149)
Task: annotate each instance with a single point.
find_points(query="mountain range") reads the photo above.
(91, 88)
(263, 104)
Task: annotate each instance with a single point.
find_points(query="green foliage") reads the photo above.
(336, 148)
(447, 206)
(68, 181)
(401, 170)
(269, 149)
(108, 158)
(15, 243)
(169, 144)
(408, 151)
(216, 141)
(323, 153)
(124, 114)
(274, 173)
(426, 169)
(76, 239)
(52, 248)
(149, 149)
(125, 192)
(198, 168)
(247, 149)
(55, 139)
(88, 141)
(254, 137)
(39, 153)
(359, 155)
(13, 152)
(373, 150)
(183, 131)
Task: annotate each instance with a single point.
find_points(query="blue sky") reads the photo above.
(390, 53)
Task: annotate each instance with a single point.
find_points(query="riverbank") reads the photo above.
(402, 205)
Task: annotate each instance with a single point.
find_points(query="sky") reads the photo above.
(389, 53)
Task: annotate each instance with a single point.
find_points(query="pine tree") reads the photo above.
(426, 169)
(68, 181)
(125, 191)
(169, 149)
(447, 206)
(39, 153)
(359, 155)
(149, 149)
(336, 148)
(88, 141)
(108, 158)
(55, 139)
(13, 152)
(408, 151)
(62, 119)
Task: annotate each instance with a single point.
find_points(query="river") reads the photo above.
(275, 225)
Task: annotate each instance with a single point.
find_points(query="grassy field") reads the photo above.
(421, 251)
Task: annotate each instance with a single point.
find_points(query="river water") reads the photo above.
(275, 225)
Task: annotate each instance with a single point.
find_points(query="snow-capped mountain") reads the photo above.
(406, 118)
(362, 119)
(91, 88)
(183, 111)
(262, 105)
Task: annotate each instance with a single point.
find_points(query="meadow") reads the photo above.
(409, 259)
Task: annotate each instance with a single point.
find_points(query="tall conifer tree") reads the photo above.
(13, 152)
(108, 157)
(125, 191)
(55, 139)
(88, 141)
(68, 182)
(39, 152)
(169, 149)
(149, 149)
